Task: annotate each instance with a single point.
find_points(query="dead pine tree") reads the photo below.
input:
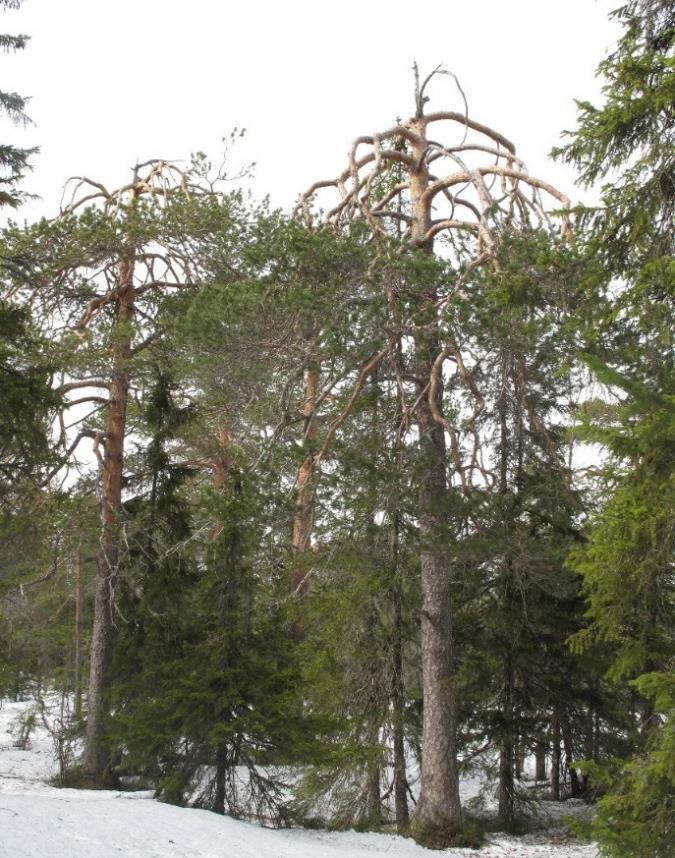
(459, 179)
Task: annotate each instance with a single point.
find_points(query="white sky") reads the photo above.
(116, 81)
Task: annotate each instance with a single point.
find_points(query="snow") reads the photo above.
(38, 819)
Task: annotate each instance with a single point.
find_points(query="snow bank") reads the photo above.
(38, 820)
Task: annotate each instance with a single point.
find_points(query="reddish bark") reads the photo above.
(97, 750)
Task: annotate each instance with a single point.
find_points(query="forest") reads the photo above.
(307, 515)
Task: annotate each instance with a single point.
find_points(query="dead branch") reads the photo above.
(351, 402)
(84, 382)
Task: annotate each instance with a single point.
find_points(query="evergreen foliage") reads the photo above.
(627, 563)
(518, 602)
(47, 543)
(207, 688)
(27, 401)
(265, 593)
(14, 160)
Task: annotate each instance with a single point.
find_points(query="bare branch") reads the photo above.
(351, 402)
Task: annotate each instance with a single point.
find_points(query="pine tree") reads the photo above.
(448, 203)
(96, 276)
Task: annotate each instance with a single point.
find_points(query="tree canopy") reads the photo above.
(306, 495)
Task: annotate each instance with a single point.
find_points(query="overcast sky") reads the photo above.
(117, 82)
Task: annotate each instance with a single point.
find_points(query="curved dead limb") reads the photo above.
(93, 307)
(72, 447)
(485, 130)
(434, 394)
(99, 400)
(420, 90)
(469, 424)
(447, 226)
(470, 382)
(408, 145)
(162, 178)
(99, 191)
(518, 176)
(365, 372)
(83, 382)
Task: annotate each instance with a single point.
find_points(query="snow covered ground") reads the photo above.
(37, 819)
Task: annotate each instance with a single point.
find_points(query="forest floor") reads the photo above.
(38, 819)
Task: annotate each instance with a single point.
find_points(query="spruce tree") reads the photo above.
(14, 160)
(206, 681)
(522, 521)
(628, 142)
(27, 402)
(25, 395)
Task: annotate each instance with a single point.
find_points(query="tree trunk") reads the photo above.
(506, 755)
(371, 812)
(439, 807)
(517, 750)
(575, 783)
(400, 775)
(374, 798)
(303, 519)
(97, 751)
(304, 505)
(218, 805)
(225, 559)
(79, 625)
(555, 759)
(397, 571)
(540, 761)
(398, 712)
